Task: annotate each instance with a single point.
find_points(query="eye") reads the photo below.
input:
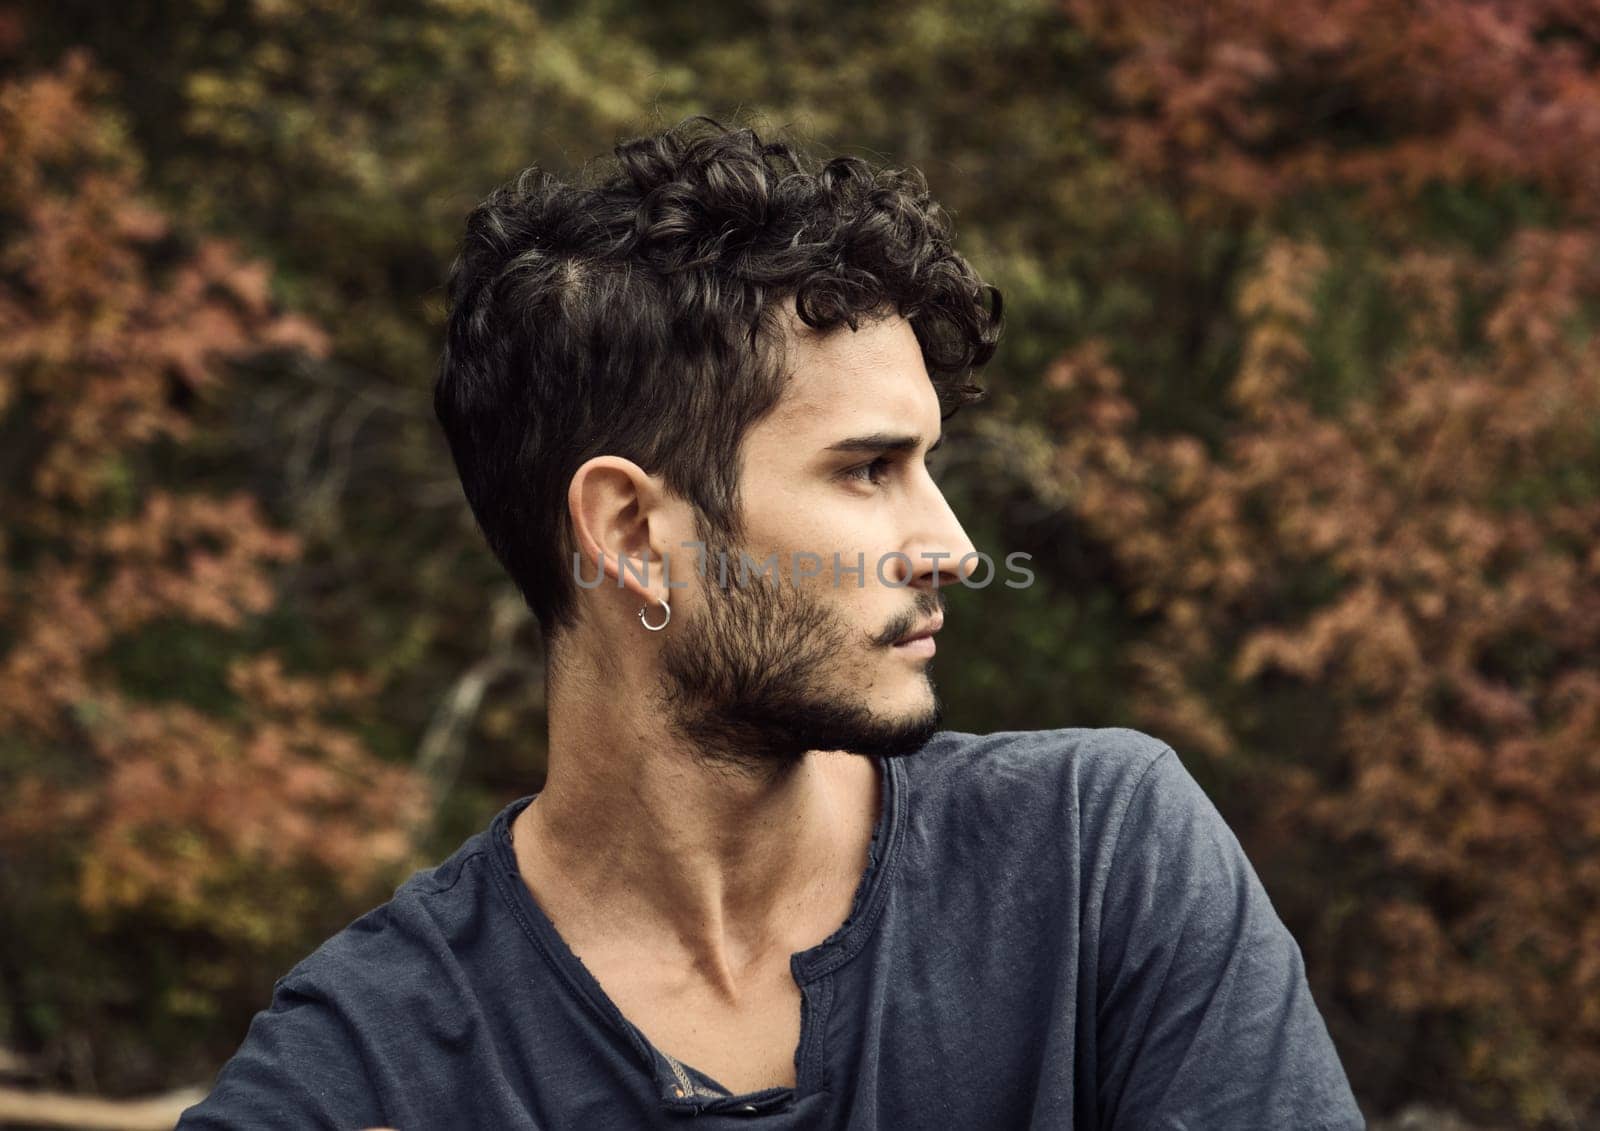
(869, 472)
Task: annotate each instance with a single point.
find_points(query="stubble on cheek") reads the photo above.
(760, 674)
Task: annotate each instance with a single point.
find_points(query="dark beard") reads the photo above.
(745, 681)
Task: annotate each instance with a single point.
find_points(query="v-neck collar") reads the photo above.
(680, 1087)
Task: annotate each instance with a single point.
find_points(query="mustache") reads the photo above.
(928, 603)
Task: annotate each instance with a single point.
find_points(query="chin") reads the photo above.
(908, 729)
(917, 699)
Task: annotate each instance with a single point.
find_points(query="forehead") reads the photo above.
(851, 382)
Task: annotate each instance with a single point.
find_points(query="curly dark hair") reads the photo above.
(636, 313)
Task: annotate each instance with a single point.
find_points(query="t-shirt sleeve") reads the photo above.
(298, 1067)
(1205, 1019)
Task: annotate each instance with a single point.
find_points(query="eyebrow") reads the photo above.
(884, 442)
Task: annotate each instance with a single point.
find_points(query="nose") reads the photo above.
(941, 553)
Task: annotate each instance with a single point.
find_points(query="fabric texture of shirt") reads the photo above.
(1055, 929)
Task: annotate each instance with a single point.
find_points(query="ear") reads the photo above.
(622, 519)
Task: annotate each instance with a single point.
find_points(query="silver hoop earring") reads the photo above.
(664, 620)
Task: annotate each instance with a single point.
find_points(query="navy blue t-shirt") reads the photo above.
(1055, 929)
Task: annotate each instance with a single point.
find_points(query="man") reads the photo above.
(691, 404)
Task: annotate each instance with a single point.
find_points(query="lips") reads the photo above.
(924, 632)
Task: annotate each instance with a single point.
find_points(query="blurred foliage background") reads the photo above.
(1298, 412)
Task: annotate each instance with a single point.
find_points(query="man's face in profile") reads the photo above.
(763, 672)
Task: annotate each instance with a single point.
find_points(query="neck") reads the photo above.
(635, 836)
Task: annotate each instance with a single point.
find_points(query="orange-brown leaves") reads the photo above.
(1417, 574)
(114, 330)
(1241, 102)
